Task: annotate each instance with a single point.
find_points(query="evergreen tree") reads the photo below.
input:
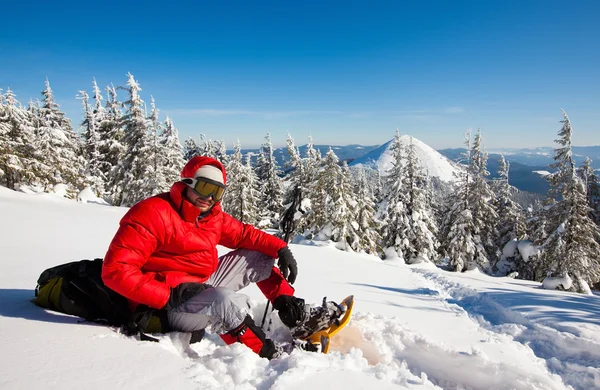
(206, 147)
(592, 185)
(338, 222)
(241, 197)
(190, 149)
(313, 197)
(511, 224)
(270, 183)
(422, 240)
(17, 154)
(171, 160)
(573, 245)
(136, 169)
(94, 176)
(111, 147)
(395, 213)
(368, 225)
(294, 193)
(59, 146)
(221, 152)
(463, 238)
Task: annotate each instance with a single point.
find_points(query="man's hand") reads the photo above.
(183, 292)
(287, 264)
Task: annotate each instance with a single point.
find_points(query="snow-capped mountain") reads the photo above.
(431, 161)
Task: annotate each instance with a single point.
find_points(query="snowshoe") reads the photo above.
(323, 323)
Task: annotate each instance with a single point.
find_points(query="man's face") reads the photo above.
(201, 203)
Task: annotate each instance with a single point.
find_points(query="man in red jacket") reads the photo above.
(164, 256)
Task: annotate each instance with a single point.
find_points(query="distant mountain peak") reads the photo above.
(430, 160)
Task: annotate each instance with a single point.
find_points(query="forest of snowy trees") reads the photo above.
(124, 153)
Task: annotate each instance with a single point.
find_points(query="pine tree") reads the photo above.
(463, 239)
(206, 147)
(511, 224)
(573, 246)
(313, 197)
(59, 146)
(171, 160)
(592, 185)
(423, 229)
(136, 169)
(270, 183)
(111, 147)
(17, 154)
(294, 194)
(94, 176)
(338, 221)
(221, 152)
(368, 225)
(241, 197)
(394, 213)
(190, 149)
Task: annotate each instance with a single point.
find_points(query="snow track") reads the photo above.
(574, 357)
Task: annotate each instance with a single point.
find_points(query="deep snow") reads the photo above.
(414, 326)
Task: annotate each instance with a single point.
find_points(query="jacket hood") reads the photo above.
(198, 161)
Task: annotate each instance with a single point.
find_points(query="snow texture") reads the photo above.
(414, 326)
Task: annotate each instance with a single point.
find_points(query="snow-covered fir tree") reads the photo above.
(462, 239)
(136, 169)
(206, 147)
(422, 239)
(271, 184)
(511, 222)
(171, 160)
(18, 161)
(368, 224)
(111, 147)
(294, 192)
(313, 198)
(572, 247)
(592, 185)
(59, 146)
(394, 207)
(338, 222)
(242, 196)
(482, 200)
(190, 149)
(155, 129)
(91, 137)
(221, 152)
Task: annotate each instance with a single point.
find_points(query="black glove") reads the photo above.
(291, 310)
(183, 292)
(287, 264)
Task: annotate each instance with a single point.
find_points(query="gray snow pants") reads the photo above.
(221, 306)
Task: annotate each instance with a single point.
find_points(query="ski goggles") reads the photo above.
(206, 188)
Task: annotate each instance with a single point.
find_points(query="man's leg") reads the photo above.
(238, 268)
(227, 313)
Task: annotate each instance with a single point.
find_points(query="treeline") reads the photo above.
(122, 152)
(125, 154)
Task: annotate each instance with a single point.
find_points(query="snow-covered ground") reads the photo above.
(430, 160)
(413, 327)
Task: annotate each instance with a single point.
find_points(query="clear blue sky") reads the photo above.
(344, 71)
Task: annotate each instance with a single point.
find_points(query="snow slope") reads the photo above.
(430, 160)
(414, 327)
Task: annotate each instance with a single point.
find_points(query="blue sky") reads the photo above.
(344, 72)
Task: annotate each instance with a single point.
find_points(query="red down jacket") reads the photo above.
(161, 243)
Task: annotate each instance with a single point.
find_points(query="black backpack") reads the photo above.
(77, 288)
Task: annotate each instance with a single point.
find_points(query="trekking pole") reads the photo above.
(262, 325)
